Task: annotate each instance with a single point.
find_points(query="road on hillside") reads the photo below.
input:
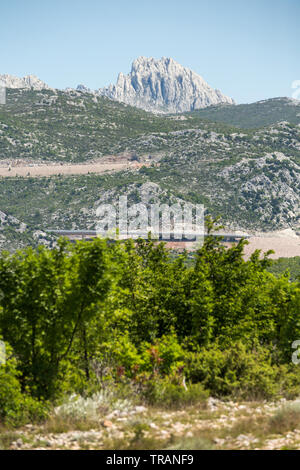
(40, 170)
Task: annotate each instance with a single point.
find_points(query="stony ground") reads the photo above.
(213, 425)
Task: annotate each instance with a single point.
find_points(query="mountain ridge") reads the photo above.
(155, 85)
(27, 82)
(253, 115)
(163, 86)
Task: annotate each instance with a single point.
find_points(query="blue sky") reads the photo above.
(249, 49)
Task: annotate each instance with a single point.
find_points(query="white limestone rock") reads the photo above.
(30, 81)
(163, 86)
(83, 89)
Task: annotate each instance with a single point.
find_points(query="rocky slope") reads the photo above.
(163, 86)
(15, 234)
(215, 425)
(30, 81)
(251, 177)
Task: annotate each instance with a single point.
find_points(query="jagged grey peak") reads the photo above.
(163, 86)
(30, 81)
(84, 89)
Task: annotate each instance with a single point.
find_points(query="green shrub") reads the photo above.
(165, 356)
(16, 408)
(174, 396)
(241, 373)
(170, 392)
(81, 316)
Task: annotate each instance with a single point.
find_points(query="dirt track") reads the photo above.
(284, 247)
(71, 169)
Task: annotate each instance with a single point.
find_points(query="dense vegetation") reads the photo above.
(79, 317)
(253, 115)
(286, 265)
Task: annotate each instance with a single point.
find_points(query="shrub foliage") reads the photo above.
(82, 314)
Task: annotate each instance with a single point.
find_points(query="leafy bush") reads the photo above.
(48, 296)
(172, 392)
(241, 373)
(81, 316)
(165, 356)
(17, 408)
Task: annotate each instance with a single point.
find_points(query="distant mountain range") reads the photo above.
(165, 87)
(30, 81)
(241, 161)
(160, 86)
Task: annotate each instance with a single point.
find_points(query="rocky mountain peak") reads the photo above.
(83, 89)
(30, 81)
(165, 86)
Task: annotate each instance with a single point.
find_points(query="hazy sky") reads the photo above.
(249, 49)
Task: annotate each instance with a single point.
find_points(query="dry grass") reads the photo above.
(192, 443)
(6, 438)
(286, 419)
(59, 425)
(228, 426)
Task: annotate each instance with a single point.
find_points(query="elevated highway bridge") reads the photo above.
(188, 238)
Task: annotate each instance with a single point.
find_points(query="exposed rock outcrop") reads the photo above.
(163, 86)
(30, 81)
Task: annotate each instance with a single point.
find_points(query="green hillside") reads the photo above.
(253, 115)
(292, 265)
(74, 126)
(250, 177)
